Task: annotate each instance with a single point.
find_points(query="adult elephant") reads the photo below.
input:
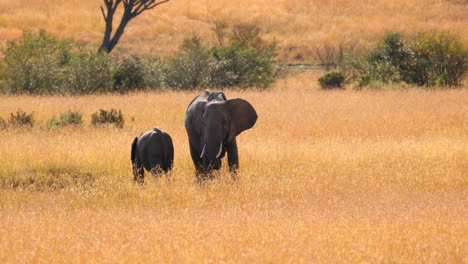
(212, 123)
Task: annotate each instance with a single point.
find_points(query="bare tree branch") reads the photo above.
(147, 5)
(103, 14)
(132, 8)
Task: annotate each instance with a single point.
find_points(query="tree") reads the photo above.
(132, 8)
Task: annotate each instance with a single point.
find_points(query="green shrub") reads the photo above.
(429, 59)
(154, 73)
(112, 117)
(69, 118)
(21, 119)
(88, 72)
(245, 67)
(246, 61)
(35, 64)
(390, 60)
(440, 59)
(190, 67)
(332, 80)
(129, 74)
(42, 64)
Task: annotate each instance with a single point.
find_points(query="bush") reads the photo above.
(245, 67)
(35, 63)
(190, 67)
(21, 118)
(112, 117)
(331, 55)
(66, 119)
(154, 73)
(332, 80)
(390, 61)
(129, 74)
(429, 59)
(440, 59)
(246, 61)
(41, 64)
(89, 72)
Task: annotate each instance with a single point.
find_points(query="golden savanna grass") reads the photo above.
(298, 25)
(373, 177)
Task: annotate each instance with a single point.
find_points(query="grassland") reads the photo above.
(359, 177)
(298, 25)
(374, 177)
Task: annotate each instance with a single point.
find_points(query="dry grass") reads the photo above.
(325, 177)
(298, 25)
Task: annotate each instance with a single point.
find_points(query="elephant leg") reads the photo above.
(168, 168)
(233, 158)
(168, 155)
(138, 172)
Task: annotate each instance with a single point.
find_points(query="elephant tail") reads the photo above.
(134, 150)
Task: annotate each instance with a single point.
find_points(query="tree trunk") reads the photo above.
(107, 34)
(118, 34)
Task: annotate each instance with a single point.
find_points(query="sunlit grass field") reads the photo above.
(360, 177)
(298, 25)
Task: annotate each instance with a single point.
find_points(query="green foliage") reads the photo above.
(429, 59)
(104, 117)
(69, 118)
(389, 62)
(41, 64)
(332, 80)
(129, 74)
(190, 67)
(35, 63)
(440, 59)
(21, 119)
(154, 73)
(235, 65)
(88, 72)
(250, 64)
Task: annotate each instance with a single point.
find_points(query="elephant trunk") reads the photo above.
(211, 154)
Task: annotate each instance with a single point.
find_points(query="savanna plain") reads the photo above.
(324, 177)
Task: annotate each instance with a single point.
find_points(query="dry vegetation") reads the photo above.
(298, 25)
(375, 177)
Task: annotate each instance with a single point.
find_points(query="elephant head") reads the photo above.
(221, 123)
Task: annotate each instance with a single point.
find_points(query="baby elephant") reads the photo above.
(154, 151)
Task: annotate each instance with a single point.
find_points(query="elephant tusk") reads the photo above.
(203, 151)
(220, 150)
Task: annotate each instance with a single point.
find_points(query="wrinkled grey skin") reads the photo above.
(212, 123)
(154, 151)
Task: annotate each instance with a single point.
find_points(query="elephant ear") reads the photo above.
(243, 116)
